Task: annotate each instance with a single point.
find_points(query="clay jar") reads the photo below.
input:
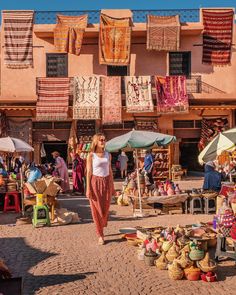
(174, 271)
(192, 273)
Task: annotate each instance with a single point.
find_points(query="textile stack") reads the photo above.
(53, 99)
(217, 36)
(163, 32)
(138, 94)
(69, 32)
(86, 98)
(18, 38)
(172, 94)
(114, 40)
(111, 100)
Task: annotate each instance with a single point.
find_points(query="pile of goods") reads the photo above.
(9, 184)
(183, 251)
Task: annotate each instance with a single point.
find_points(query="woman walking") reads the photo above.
(78, 170)
(100, 186)
(61, 168)
(123, 159)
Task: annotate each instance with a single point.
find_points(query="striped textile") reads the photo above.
(217, 36)
(18, 38)
(53, 99)
(114, 40)
(138, 94)
(69, 32)
(163, 32)
(111, 100)
(86, 104)
(172, 94)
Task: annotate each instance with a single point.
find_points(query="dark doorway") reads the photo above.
(59, 146)
(189, 154)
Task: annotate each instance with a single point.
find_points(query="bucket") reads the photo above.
(39, 199)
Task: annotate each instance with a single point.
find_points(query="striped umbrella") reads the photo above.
(225, 141)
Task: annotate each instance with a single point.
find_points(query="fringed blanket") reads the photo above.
(69, 32)
(86, 98)
(111, 100)
(138, 94)
(163, 32)
(114, 40)
(18, 38)
(217, 36)
(53, 99)
(172, 95)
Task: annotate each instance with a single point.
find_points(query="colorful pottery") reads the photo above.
(192, 273)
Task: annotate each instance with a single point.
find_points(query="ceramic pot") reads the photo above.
(192, 273)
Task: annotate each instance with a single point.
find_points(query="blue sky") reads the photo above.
(99, 4)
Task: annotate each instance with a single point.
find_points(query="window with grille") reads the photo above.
(62, 125)
(180, 64)
(57, 65)
(117, 71)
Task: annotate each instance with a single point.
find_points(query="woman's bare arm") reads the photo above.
(88, 175)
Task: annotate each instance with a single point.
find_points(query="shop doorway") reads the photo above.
(51, 146)
(189, 154)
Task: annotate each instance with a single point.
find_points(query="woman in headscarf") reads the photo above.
(78, 171)
(61, 168)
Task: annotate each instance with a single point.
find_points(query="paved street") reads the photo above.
(67, 259)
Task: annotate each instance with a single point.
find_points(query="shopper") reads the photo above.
(148, 165)
(123, 159)
(78, 173)
(100, 186)
(61, 169)
(212, 178)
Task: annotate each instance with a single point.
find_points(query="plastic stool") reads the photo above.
(195, 205)
(15, 206)
(209, 205)
(222, 251)
(40, 215)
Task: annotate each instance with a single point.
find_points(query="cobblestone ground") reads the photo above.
(67, 260)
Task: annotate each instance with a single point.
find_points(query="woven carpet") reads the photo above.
(171, 94)
(53, 99)
(217, 36)
(69, 32)
(163, 32)
(86, 98)
(114, 40)
(138, 94)
(18, 38)
(111, 100)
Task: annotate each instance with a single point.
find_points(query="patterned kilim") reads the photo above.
(21, 129)
(138, 94)
(217, 36)
(172, 94)
(69, 32)
(163, 32)
(86, 98)
(53, 99)
(111, 100)
(210, 129)
(18, 38)
(114, 40)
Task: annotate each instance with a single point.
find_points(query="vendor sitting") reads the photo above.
(212, 178)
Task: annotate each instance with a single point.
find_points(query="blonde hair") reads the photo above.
(95, 141)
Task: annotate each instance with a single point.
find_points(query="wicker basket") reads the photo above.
(175, 272)
(206, 264)
(161, 262)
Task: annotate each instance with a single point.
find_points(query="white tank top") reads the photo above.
(101, 165)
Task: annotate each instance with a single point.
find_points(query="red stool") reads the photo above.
(7, 206)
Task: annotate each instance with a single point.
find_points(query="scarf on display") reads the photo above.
(86, 104)
(111, 100)
(73, 140)
(114, 40)
(21, 129)
(138, 94)
(217, 36)
(18, 39)
(210, 129)
(172, 94)
(69, 32)
(53, 99)
(163, 32)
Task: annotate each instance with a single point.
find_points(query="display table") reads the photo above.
(171, 204)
